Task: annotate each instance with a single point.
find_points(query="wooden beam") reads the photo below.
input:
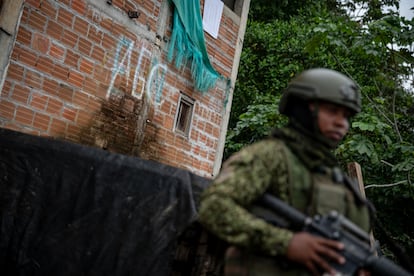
(355, 172)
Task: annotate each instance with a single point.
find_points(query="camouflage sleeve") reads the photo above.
(244, 177)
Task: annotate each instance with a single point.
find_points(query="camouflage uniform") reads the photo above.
(291, 166)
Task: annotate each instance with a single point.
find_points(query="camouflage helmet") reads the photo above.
(322, 84)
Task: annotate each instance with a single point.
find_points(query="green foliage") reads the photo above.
(376, 49)
(254, 124)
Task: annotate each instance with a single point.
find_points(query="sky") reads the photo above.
(405, 8)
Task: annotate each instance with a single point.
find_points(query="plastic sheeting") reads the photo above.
(67, 209)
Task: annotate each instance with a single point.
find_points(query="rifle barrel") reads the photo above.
(274, 203)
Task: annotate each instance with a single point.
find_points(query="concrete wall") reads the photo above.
(85, 71)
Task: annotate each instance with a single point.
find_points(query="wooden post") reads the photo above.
(355, 172)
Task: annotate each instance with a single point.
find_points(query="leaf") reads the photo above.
(363, 126)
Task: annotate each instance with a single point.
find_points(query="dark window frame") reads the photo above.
(234, 5)
(184, 115)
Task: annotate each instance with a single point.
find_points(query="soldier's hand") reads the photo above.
(312, 252)
(363, 272)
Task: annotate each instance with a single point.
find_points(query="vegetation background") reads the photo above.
(371, 43)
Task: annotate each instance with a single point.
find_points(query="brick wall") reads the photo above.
(84, 71)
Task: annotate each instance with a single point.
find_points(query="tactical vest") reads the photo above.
(322, 191)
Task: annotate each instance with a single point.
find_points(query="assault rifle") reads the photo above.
(357, 251)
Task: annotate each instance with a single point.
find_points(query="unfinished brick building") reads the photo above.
(97, 72)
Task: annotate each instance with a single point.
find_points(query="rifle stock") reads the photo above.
(357, 251)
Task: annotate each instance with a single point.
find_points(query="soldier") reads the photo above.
(295, 164)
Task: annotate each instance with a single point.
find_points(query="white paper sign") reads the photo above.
(213, 9)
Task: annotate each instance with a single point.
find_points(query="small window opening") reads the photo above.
(234, 5)
(229, 3)
(184, 115)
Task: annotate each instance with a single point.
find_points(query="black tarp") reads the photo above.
(68, 209)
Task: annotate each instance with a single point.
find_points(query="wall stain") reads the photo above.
(119, 126)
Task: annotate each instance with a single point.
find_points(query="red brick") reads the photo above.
(37, 20)
(33, 79)
(151, 22)
(95, 35)
(24, 36)
(41, 121)
(182, 143)
(108, 42)
(203, 154)
(79, 6)
(54, 106)
(102, 75)
(80, 99)
(50, 86)
(90, 85)
(69, 113)
(201, 125)
(149, 6)
(94, 105)
(7, 89)
(118, 28)
(76, 78)
(15, 72)
(118, 3)
(72, 58)
(65, 17)
(39, 101)
(84, 46)
(24, 115)
(54, 29)
(57, 128)
(60, 72)
(33, 3)
(40, 43)
(25, 16)
(69, 38)
(98, 53)
(93, 15)
(216, 132)
(66, 2)
(26, 56)
(106, 23)
(169, 122)
(100, 92)
(209, 128)
(56, 51)
(20, 93)
(158, 119)
(73, 133)
(129, 6)
(166, 107)
(129, 35)
(45, 65)
(7, 109)
(65, 93)
(207, 167)
(143, 19)
(86, 66)
(81, 26)
(48, 9)
(84, 118)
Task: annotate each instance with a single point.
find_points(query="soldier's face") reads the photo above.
(333, 120)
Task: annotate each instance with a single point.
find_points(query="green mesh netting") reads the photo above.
(188, 44)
